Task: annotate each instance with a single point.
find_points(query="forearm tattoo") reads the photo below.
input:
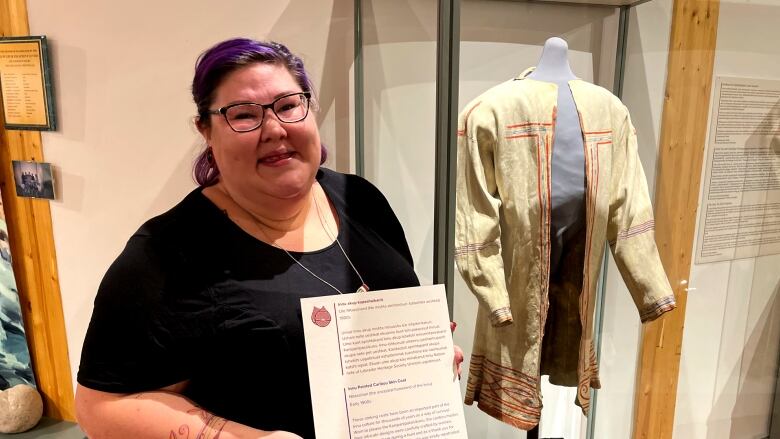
(212, 426)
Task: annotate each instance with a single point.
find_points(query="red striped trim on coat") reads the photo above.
(501, 317)
(466, 119)
(529, 124)
(658, 308)
(546, 210)
(473, 248)
(637, 230)
(504, 393)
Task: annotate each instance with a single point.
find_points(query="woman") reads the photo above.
(197, 325)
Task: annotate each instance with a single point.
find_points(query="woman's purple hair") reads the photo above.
(222, 59)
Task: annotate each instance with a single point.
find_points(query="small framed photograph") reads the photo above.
(33, 179)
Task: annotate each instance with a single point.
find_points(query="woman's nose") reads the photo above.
(272, 129)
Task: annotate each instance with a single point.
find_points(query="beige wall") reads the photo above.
(125, 145)
(729, 362)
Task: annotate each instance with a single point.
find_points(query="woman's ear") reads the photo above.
(203, 129)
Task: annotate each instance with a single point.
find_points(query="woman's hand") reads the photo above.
(458, 358)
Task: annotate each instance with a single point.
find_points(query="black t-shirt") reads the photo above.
(194, 297)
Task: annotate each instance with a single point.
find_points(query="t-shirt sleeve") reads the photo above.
(381, 215)
(144, 323)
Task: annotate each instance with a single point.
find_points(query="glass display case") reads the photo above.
(420, 62)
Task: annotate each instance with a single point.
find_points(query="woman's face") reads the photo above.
(277, 160)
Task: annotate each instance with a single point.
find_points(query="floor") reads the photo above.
(50, 429)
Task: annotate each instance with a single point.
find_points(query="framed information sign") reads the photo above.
(25, 84)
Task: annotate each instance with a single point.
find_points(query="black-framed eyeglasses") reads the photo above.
(247, 116)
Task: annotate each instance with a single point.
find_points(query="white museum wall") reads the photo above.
(729, 361)
(125, 143)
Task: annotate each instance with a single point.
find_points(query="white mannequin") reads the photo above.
(568, 154)
(553, 65)
(568, 165)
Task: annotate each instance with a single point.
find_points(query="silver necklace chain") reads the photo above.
(363, 287)
(310, 272)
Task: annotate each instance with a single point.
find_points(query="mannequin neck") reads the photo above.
(553, 65)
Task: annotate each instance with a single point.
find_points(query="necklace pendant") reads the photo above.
(363, 289)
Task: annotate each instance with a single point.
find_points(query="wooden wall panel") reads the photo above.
(34, 258)
(681, 151)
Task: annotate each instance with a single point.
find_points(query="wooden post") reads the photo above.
(681, 152)
(34, 258)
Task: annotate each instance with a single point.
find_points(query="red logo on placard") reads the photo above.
(320, 317)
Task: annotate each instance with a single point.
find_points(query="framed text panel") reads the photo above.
(25, 84)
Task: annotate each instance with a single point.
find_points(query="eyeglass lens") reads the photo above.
(246, 117)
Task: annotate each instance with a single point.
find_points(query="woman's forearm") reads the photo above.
(156, 414)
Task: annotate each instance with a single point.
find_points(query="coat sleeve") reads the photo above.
(477, 228)
(630, 230)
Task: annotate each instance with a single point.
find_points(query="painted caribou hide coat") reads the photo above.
(502, 242)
